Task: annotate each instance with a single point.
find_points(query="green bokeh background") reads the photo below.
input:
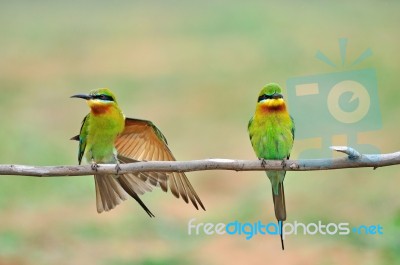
(195, 69)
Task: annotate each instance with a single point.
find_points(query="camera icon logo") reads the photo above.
(334, 108)
(358, 92)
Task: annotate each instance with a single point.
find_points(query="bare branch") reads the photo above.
(354, 160)
(352, 153)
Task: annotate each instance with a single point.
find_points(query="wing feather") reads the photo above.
(149, 154)
(81, 137)
(142, 140)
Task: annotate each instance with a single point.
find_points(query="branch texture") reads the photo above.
(354, 160)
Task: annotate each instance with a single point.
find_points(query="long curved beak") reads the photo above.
(87, 97)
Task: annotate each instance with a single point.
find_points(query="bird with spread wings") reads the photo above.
(106, 136)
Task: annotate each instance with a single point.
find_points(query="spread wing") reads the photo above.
(143, 141)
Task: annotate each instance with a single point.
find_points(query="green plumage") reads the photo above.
(98, 132)
(271, 131)
(107, 137)
(272, 138)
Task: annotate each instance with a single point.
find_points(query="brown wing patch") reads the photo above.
(142, 141)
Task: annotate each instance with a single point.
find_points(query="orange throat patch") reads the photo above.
(275, 105)
(98, 109)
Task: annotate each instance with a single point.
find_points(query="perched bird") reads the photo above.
(271, 132)
(107, 137)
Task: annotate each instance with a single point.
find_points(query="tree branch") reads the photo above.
(354, 160)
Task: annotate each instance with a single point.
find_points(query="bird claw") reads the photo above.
(283, 163)
(94, 166)
(117, 168)
(263, 162)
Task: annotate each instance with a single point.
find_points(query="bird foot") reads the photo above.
(117, 168)
(263, 162)
(283, 163)
(94, 166)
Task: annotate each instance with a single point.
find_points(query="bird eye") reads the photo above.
(104, 97)
(263, 97)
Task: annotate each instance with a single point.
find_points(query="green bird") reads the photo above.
(271, 132)
(107, 137)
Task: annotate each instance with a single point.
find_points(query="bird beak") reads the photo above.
(87, 97)
(277, 95)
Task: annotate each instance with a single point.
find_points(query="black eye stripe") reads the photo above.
(103, 97)
(263, 97)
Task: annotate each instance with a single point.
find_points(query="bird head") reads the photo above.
(270, 98)
(99, 100)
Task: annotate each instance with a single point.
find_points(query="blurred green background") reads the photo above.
(195, 69)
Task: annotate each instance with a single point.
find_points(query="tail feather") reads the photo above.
(280, 208)
(108, 192)
(282, 244)
(127, 187)
(279, 203)
(111, 191)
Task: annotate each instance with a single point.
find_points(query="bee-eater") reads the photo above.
(107, 137)
(271, 131)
